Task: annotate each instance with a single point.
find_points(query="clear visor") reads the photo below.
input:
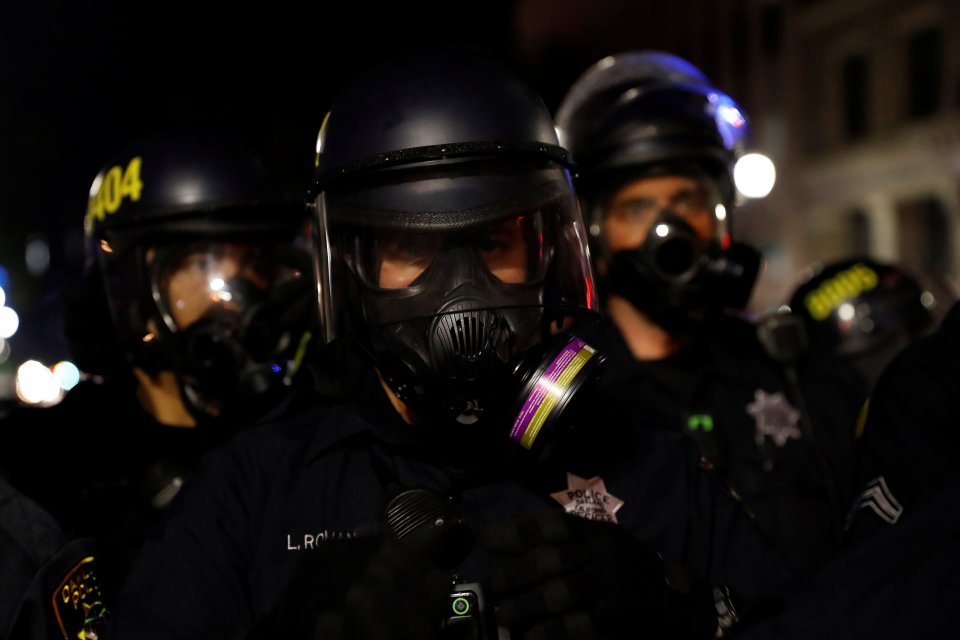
(508, 231)
(645, 205)
(510, 251)
(226, 279)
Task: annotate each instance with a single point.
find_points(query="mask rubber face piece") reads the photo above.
(223, 304)
(450, 299)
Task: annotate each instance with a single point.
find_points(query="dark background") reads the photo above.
(82, 81)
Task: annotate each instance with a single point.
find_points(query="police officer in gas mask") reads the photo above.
(654, 142)
(197, 298)
(201, 267)
(468, 485)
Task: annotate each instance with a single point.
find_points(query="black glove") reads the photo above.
(402, 594)
(561, 576)
(363, 588)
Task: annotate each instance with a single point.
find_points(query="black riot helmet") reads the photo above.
(450, 240)
(862, 310)
(201, 267)
(652, 114)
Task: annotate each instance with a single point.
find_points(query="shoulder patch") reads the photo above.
(78, 603)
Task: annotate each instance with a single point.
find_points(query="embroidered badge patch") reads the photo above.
(77, 603)
(774, 417)
(588, 498)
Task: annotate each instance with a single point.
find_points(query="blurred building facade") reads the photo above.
(873, 145)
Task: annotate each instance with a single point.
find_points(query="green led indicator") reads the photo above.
(700, 421)
(461, 606)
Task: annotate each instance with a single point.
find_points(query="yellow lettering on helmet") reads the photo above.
(131, 185)
(868, 277)
(816, 304)
(847, 284)
(109, 193)
(118, 184)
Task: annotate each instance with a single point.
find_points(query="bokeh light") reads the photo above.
(37, 385)
(754, 175)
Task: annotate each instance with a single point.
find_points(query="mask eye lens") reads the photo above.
(513, 249)
(503, 248)
(191, 280)
(392, 259)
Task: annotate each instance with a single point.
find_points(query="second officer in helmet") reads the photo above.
(654, 142)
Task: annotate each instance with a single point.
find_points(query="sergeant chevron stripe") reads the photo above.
(880, 499)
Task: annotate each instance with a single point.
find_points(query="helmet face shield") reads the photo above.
(509, 250)
(648, 108)
(449, 273)
(666, 245)
(514, 236)
(214, 278)
(222, 310)
(646, 207)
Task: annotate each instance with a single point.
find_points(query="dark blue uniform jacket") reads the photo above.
(260, 505)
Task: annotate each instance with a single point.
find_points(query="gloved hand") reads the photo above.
(562, 576)
(364, 588)
(402, 594)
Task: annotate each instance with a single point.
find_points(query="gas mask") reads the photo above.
(460, 309)
(232, 317)
(472, 300)
(680, 279)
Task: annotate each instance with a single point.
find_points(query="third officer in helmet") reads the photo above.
(864, 311)
(654, 143)
(187, 331)
(467, 486)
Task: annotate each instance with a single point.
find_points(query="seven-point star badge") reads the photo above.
(588, 499)
(775, 417)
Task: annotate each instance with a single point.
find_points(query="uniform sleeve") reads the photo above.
(907, 450)
(901, 583)
(50, 587)
(190, 578)
(64, 600)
